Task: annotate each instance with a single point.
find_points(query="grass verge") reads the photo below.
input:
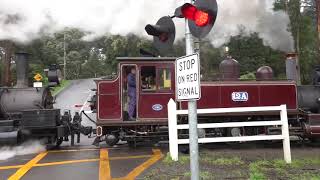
(57, 89)
(216, 166)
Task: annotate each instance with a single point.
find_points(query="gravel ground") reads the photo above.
(245, 161)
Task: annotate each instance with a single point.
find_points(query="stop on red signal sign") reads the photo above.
(188, 78)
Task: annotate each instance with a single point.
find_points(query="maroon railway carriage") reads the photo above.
(157, 74)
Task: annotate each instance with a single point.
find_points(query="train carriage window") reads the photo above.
(148, 78)
(165, 79)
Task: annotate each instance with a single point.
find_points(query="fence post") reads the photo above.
(173, 131)
(285, 134)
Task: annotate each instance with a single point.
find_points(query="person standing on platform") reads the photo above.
(132, 93)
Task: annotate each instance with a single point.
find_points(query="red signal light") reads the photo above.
(189, 11)
(201, 18)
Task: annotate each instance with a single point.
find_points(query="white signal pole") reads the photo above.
(192, 115)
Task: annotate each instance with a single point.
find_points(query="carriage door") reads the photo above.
(109, 100)
(156, 89)
(125, 71)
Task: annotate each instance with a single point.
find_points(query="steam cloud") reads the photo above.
(255, 16)
(26, 148)
(23, 21)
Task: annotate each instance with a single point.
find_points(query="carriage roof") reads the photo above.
(146, 59)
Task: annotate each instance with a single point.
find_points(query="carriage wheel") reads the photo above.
(112, 139)
(315, 140)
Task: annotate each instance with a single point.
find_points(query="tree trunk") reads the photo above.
(318, 27)
(8, 47)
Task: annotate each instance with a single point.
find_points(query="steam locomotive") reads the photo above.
(111, 101)
(27, 113)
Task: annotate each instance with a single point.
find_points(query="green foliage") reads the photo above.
(183, 159)
(203, 175)
(98, 57)
(252, 54)
(222, 161)
(256, 170)
(248, 76)
(167, 160)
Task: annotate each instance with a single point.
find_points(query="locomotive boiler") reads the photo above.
(27, 112)
(155, 86)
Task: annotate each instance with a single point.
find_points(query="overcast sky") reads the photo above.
(30, 18)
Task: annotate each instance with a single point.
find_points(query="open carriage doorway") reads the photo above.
(129, 92)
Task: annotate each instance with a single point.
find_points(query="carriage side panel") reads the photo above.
(109, 100)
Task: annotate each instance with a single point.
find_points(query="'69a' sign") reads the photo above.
(240, 96)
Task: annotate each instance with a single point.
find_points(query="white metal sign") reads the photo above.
(37, 84)
(188, 78)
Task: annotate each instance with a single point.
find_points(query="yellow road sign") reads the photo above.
(37, 77)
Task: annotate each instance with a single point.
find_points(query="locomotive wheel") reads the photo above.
(132, 143)
(53, 144)
(235, 132)
(59, 142)
(112, 139)
(184, 149)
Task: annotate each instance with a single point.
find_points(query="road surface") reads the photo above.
(83, 161)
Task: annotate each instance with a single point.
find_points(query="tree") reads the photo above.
(7, 53)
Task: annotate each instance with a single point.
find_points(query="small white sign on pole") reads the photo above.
(188, 78)
(37, 84)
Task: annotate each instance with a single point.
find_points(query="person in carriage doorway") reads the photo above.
(132, 94)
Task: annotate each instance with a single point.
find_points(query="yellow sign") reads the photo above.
(37, 77)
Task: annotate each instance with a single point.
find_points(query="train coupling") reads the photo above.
(75, 127)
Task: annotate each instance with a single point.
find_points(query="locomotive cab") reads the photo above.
(154, 87)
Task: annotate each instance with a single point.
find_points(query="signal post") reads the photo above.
(199, 20)
(192, 115)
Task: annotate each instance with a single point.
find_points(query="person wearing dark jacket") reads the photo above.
(132, 94)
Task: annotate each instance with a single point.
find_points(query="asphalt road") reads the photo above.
(82, 161)
(78, 93)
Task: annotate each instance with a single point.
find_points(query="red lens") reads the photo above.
(201, 18)
(188, 11)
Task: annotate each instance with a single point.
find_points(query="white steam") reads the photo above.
(23, 21)
(251, 16)
(26, 148)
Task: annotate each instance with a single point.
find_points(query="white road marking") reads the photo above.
(86, 101)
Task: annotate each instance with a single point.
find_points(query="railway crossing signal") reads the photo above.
(201, 16)
(163, 33)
